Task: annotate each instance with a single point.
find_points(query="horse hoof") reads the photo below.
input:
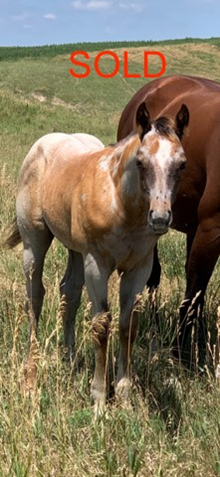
(123, 393)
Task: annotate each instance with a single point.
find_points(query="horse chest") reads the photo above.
(125, 249)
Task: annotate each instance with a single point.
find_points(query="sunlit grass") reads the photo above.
(173, 423)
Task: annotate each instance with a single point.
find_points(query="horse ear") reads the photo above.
(143, 119)
(181, 120)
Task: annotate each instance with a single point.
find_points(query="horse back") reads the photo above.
(201, 141)
(165, 95)
(44, 175)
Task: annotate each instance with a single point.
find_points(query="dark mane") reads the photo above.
(164, 126)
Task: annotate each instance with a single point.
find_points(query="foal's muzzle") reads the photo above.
(159, 221)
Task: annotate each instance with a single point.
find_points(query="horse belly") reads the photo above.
(58, 212)
(185, 207)
(59, 219)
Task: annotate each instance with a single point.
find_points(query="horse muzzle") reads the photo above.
(159, 221)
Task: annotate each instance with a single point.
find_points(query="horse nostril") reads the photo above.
(164, 216)
(160, 220)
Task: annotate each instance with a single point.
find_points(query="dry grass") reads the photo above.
(172, 426)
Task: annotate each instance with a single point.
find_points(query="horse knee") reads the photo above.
(34, 300)
(100, 328)
(71, 290)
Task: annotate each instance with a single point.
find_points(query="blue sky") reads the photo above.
(34, 22)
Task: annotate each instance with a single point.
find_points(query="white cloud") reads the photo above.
(50, 16)
(136, 7)
(91, 5)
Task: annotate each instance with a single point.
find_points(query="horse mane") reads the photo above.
(124, 140)
(165, 126)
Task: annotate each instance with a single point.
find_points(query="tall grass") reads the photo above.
(171, 428)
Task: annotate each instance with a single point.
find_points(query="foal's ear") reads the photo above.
(181, 120)
(143, 119)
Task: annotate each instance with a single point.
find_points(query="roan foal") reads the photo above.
(108, 208)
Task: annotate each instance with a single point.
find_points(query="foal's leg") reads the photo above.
(132, 284)
(71, 290)
(96, 277)
(35, 249)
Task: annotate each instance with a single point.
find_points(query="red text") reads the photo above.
(86, 68)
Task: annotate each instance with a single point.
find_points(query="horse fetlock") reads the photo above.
(69, 335)
(98, 394)
(69, 353)
(123, 392)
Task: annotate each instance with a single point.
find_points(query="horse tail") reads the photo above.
(14, 238)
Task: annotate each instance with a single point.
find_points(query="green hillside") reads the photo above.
(50, 51)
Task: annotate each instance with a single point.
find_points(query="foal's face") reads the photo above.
(161, 161)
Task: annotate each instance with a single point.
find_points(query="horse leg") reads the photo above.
(152, 285)
(96, 278)
(203, 251)
(71, 290)
(154, 279)
(35, 249)
(185, 325)
(132, 284)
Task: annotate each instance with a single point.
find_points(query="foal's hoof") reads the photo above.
(99, 411)
(98, 396)
(123, 393)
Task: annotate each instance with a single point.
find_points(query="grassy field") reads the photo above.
(174, 424)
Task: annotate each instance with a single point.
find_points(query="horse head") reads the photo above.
(160, 160)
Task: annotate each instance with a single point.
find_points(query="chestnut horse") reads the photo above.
(196, 211)
(107, 207)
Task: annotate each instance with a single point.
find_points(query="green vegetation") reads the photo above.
(173, 425)
(50, 51)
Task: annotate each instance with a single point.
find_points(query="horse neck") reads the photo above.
(130, 187)
(126, 178)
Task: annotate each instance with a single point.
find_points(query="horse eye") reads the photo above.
(182, 166)
(139, 164)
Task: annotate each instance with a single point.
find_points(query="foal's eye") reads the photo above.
(139, 164)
